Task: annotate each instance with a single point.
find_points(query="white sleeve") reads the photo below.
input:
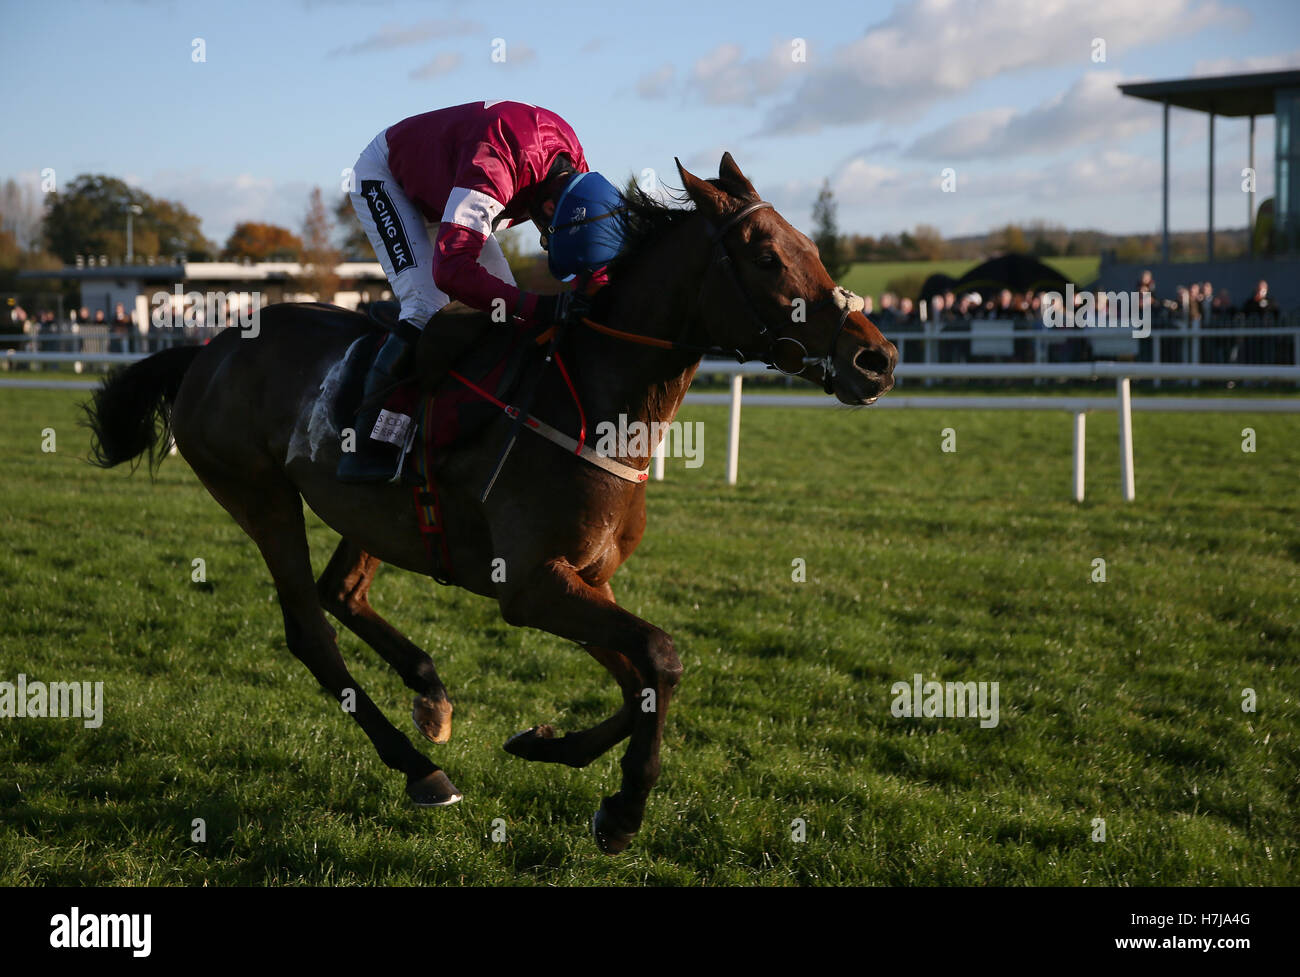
(472, 209)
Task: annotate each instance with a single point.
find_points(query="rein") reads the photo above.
(844, 299)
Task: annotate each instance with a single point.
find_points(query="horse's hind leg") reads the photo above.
(344, 590)
(272, 515)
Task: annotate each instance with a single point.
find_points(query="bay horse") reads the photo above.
(728, 273)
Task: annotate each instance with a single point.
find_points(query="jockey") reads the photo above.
(429, 192)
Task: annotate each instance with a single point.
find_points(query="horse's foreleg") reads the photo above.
(555, 599)
(579, 748)
(344, 590)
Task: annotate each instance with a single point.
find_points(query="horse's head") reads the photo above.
(767, 295)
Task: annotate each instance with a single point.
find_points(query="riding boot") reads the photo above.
(376, 460)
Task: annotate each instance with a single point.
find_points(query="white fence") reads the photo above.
(1123, 402)
(1121, 373)
(1170, 341)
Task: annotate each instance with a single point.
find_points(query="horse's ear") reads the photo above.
(706, 196)
(736, 182)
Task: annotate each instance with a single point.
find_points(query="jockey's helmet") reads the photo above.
(587, 229)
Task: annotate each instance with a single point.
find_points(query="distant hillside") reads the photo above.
(905, 277)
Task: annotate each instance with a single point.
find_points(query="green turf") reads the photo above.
(1118, 700)
(872, 277)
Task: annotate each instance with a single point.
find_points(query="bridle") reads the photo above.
(721, 257)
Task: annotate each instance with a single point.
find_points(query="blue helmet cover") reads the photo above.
(588, 227)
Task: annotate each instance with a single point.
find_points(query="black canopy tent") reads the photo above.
(1017, 272)
(937, 284)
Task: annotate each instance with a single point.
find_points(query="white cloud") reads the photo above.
(1093, 174)
(861, 181)
(404, 35)
(224, 201)
(657, 83)
(1254, 62)
(929, 49)
(1090, 112)
(724, 76)
(444, 63)
(519, 53)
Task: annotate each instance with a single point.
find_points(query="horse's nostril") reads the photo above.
(872, 359)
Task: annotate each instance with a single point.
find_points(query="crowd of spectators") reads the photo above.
(115, 332)
(1195, 306)
(107, 333)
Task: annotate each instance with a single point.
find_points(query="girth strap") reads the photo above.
(570, 444)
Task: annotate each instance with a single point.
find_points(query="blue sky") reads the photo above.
(1005, 92)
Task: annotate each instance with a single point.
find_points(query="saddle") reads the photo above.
(446, 412)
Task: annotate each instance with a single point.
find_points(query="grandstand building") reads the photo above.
(1274, 239)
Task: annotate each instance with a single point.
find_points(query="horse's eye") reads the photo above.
(767, 260)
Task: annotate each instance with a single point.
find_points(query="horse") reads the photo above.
(718, 269)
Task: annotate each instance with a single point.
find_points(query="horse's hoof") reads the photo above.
(609, 839)
(521, 744)
(432, 718)
(433, 790)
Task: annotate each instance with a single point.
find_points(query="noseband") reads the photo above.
(845, 300)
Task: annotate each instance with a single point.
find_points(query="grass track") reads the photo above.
(1118, 700)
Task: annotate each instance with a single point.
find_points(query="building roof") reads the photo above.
(1232, 95)
(197, 271)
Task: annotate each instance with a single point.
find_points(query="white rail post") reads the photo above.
(660, 451)
(1155, 352)
(733, 433)
(1080, 439)
(929, 330)
(1126, 439)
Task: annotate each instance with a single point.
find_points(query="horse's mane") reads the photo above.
(646, 219)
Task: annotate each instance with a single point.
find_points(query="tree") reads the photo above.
(928, 242)
(20, 213)
(1011, 240)
(1132, 248)
(1043, 248)
(89, 217)
(907, 285)
(887, 248)
(319, 255)
(862, 247)
(826, 234)
(353, 241)
(262, 242)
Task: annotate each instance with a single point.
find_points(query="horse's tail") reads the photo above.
(129, 414)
